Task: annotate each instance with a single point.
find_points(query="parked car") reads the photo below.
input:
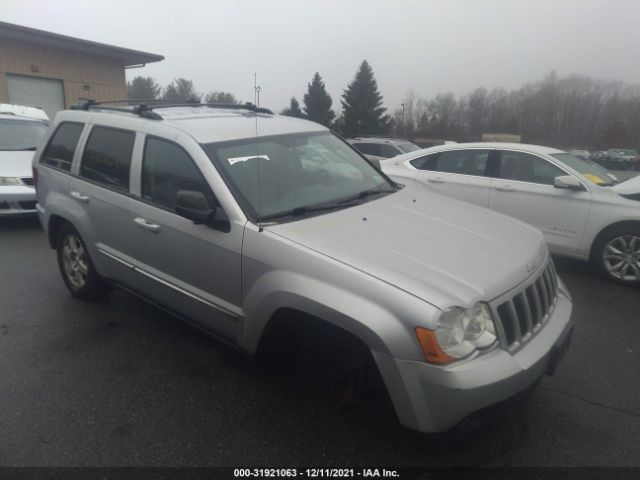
(239, 230)
(583, 154)
(382, 147)
(622, 158)
(580, 210)
(19, 138)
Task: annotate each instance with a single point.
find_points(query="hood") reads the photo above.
(439, 249)
(628, 187)
(15, 164)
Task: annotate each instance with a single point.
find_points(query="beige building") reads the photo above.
(52, 72)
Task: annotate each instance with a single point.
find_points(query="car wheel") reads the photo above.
(617, 255)
(76, 267)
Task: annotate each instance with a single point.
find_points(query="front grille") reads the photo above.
(28, 181)
(523, 313)
(27, 205)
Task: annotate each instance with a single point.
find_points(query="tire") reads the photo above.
(616, 255)
(76, 267)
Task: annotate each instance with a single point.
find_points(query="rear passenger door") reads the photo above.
(100, 190)
(461, 173)
(192, 269)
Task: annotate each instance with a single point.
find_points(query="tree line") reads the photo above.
(572, 111)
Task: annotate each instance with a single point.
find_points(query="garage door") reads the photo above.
(36, 92)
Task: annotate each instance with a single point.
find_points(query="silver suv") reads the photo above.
(240, 220)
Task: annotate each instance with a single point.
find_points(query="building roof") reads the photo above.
(128, 56)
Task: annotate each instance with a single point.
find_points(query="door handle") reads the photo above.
(78, 196)
(436, 180)
(147, 225)
(504, 188)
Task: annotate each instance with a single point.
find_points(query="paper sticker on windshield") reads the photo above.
(244, 159)
(594, 178)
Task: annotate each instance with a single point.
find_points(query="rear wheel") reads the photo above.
(76, 267)
(617, 255)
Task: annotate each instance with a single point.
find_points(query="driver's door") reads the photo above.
(523, 188)
(188, 268)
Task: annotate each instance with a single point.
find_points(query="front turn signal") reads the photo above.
(430, 347)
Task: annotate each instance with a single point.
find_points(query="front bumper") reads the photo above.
(17, 201)
(429, 398)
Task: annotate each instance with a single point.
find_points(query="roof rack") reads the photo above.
(143, 109)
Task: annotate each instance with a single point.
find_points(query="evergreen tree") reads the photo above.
(293, 110)
(180, 89)
(221, 97)
(317, 102)
(362, 105)
(143, 88)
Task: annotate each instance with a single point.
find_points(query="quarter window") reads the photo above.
(166, 169)
(107, 157)
(59, 152)
(525, 167)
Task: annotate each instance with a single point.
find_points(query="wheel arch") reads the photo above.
(608, 229)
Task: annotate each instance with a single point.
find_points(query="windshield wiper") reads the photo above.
(339, 204)
(300, 211)
(30, 149)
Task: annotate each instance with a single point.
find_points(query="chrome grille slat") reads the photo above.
(521, 314)
(517, 332)
(543, 295)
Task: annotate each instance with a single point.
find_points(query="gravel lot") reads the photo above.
(121, 383)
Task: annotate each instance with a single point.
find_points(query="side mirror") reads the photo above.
(568, 181)
(193, 205)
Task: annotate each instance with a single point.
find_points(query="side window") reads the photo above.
(525, 167)
(368, 148)
(465, 162)
(107, 157)
(59, 152)
(166, 169)
(388, 151)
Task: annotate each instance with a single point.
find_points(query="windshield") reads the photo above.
(591, 171)
(20, 134)
(408, 147)
(292, 175)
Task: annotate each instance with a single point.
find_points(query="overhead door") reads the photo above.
(37, 92)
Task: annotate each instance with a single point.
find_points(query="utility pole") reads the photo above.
(256, 91)
(402, 121)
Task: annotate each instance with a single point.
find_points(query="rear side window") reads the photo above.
(167, 169)
(368, 148)
(107, 157)
(464, 162)
(388, 151)
(59, 152)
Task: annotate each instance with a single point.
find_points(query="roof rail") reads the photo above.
(373, 135)
(144, 109)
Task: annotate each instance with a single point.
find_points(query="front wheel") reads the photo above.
(617, 255)
(76, 267)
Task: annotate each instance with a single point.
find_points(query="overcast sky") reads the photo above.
(430, 46)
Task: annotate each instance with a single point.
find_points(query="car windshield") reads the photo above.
(591, 171)
(290, 176)
(20, 134)
(407, 147)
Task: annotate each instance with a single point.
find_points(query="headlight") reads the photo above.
(10, 182)
(460, 332)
